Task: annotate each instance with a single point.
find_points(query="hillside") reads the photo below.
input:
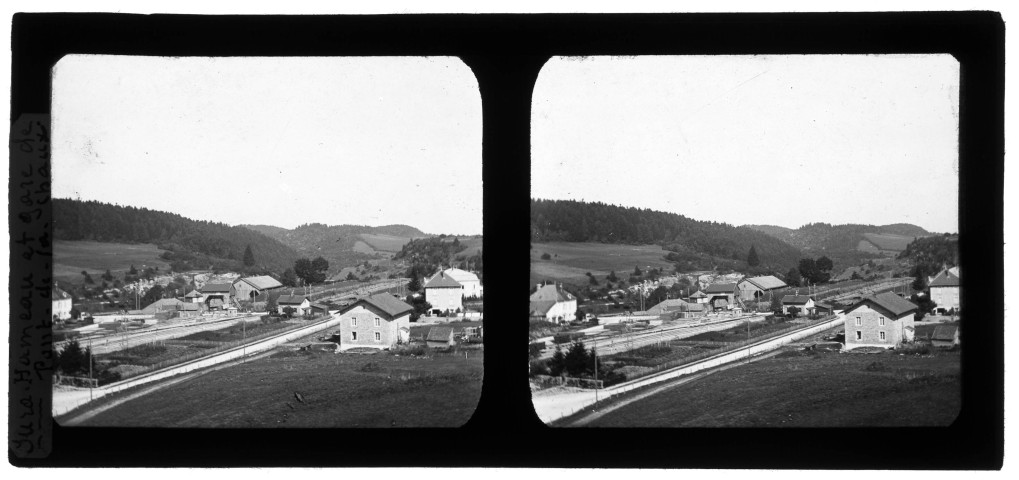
(846, 240)
(425, 256)
(343, 245)
(188, 244)
(691, 244)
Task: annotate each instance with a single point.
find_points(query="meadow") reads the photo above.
(315, 389)
(71, 257)
(571, 261)
(809, 389)
(888, 241)
(385, 243)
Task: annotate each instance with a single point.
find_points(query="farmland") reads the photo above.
(886, 242)
(71, 257)
(571, 261)
(335, 390)
(809, 389)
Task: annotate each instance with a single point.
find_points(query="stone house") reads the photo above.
(61, 303)
(377, 321)
(552, 303)
(444, 293)
(882, 320)
(945, 290)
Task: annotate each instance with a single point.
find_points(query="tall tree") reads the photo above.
(319, 268)
(793, 277)
(289, 278)
(808, 270)
(752, 259)
(249, 256)
(303, 270)
(414, 285)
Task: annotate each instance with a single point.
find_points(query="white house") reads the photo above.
(552, 303)
(803, 303)
(470, 282)
(945, 289)
(300, 303)
(378, 321)
(444, 293)
(61, 304)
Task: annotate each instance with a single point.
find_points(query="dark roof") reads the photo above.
(193, 294)
(59, 294)
(767, 282)
(552, 292)
(383, 302)
(944, 332)
(698, 294)
(217, 287)
(291, 299)
(439, 334)
(727, 287)
(945, 279)
(887, 301)
(320, 306)
(795, 299)
(262, 282)
(442, 281)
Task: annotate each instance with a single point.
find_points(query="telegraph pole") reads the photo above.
(90, 369)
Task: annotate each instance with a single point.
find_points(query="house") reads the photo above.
(698, 297)
(721, 296)
(945, 336)
(470, 282)
(552, 303)
(300, 303)
(193, 297)
(251, 287)
(162, 305)
(882, 320)
(440, 337)
(753, 288)
(804, 304)
(61, 303)
(945, 290)
(444, 293)
(377, 321)
(217, 296)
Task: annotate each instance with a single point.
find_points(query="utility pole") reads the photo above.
(595, 352)
(90, 369)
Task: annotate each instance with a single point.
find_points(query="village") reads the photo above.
(228, 317)
(657, 331)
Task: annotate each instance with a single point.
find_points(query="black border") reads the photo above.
(506, 52)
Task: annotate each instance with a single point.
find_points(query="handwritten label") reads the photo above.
(30, 420)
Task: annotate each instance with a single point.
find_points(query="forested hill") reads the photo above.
(828, 238)
(692, 243)
(343, 245)
(192, 244)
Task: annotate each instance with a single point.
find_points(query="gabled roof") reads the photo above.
(291, 299)
(217, 287)
(441, 280)
(887, 301)
(668, 305)
(461, 275)
(698, 294)
(945, 279)
(439, 334)
(382, 302)
(193, 294)
(795, 299)
(552, 292)
(59, 294)
(162, 304)
(541, 307)
(766, 282)
(726, 287)
(262, 282)
(944, 332)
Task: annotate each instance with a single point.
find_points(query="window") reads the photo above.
(859, 320)
(882, 335)
(377, 322)
(353, 336)
(881, 321)
(353, 321)
(378, 337)
(859, 335)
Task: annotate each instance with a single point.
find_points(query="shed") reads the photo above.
(440, 337)
(945, 336)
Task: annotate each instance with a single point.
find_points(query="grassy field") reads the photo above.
(809, 390)
(571, 261)
(71, 257)
(385, 243)
(888, 241)
(338, 390)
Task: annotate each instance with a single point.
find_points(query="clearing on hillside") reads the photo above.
(887, 241)
(570, 262)
(385, 243)
(71, 257)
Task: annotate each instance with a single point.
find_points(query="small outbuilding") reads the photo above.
(440, 337)
(945, 336)
(803, 303)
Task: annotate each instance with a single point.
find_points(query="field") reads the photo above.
(888, 241)
(71, 257)
(816, 389)
(571, 261)
(385, 243)
(338, 390)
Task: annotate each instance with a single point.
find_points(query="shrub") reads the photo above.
(546, 256)
(539, 367)
(534, 350)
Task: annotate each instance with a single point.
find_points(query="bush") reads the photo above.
(534, 350)
(546, 256)
(539, 367)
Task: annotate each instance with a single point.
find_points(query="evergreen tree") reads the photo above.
(792, 278)
(414, 285)
(249, 257)
(73, 360)
(752, 259)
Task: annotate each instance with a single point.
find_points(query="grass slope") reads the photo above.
(571, 261)
(819, 390)
(71, 257)
(339, 390)
(889, 241)
(385, 243)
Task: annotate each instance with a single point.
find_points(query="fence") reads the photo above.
(550, 381)
(75, 381)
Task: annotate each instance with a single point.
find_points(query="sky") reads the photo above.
(778, 140)
(276, 141)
